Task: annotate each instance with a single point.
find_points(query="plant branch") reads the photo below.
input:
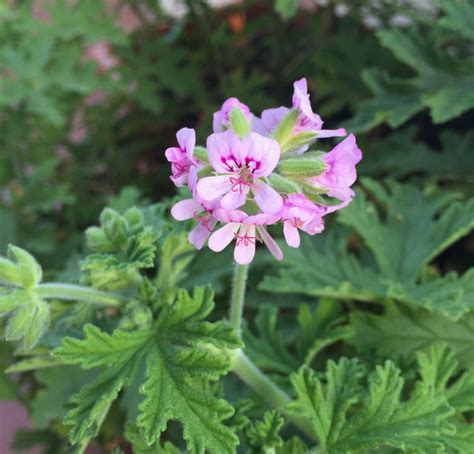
(78, 293)
(250, 374)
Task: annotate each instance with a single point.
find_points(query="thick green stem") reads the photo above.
(238, 296)
(250, 374)
(78, 293)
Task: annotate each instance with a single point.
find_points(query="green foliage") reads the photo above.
(317, 330)
(400, 332)
(264, 435)
(176, 350)
(443, 74)
(123, 245)
(416, 227)
(347, 416)
(28, 315)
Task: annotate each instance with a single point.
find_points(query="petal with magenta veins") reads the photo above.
(244, 251)
(199, 234)
(224, 151)
(235, 198)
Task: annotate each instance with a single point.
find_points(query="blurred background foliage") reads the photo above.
(93, 92)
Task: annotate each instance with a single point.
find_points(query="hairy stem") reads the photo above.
(251, 375)
(237, 298)
(78, 293)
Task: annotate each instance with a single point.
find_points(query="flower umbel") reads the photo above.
(256, 172)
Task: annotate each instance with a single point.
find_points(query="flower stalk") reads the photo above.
(238, 296)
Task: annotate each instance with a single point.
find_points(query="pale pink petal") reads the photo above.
(224, 151)
(192, 177)
(271, 119)
(199, 234)
(235, 198)
(264, 151)
(266, 197)
(186, 209)
(270, 243)
(221, 238)
(210, 188)
(324, 133)
(244, 251)
(292, 236)
(187, 140)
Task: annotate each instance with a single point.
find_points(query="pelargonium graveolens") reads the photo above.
(261, 171)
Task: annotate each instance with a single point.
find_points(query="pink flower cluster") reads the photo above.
(260, 171)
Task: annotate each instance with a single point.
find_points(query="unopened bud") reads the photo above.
(200, 153)
(239, 123)
(302, 166)
(284, 130)
(283, 185)
(299, 141)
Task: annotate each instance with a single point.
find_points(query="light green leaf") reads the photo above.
(400, 332)
(347, 417)
(263, 436)
(183, 355)
(438, 366)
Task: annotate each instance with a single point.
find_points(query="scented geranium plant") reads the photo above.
(130, 352)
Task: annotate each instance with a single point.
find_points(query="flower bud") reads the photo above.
(302, 167)
(239, 123)
(284, 130)
(298, 141)
(283, 185)
(200, 153)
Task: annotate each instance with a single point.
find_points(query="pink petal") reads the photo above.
(221, 238)
(263, 150)
(222, 147)
(199, 234)
(292, 236)
(266, 197)
(270, 243)
(244, 251)
(324, 133)
(174, 154)
(235, 198)
(210, 188)
(187, 140)
(270, 120)
(186, 209)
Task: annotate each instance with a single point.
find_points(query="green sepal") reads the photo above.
(302, 166)
(239, 123)
(28, 268)
(299, 141)
(284, 130)
(283, 185)
(200, 153)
